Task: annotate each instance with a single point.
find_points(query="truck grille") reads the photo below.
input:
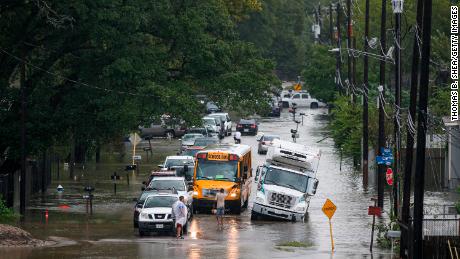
(281, 200)
(160, 216)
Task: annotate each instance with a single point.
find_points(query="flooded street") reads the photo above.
(110, 233)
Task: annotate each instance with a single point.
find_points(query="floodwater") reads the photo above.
(109, 232)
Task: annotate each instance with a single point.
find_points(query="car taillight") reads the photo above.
(239, 126)
(253, 126)
(201, 155)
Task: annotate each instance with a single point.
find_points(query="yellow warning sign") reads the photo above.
(329, 208)
(297, 87)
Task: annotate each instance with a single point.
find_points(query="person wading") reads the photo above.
(180, 214)
(220, 207)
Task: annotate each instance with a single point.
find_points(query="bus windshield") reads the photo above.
(217, 170)
(286, 179)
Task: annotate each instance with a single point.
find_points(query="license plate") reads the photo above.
(159, 225)
(246, 130)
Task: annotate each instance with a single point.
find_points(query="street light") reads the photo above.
(397, 6)
(388, 56)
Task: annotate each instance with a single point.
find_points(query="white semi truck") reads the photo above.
(286, 181)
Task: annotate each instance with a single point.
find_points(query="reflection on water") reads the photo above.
(232, 240)
(195, 252)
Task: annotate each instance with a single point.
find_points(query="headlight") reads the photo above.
(144, 215)
(195, 193)
(233, 194)
(260, 200)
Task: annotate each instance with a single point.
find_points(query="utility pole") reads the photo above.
(22, 185)
(410, 137)
(315, 27)
(419, 187)
(339, 45)
(381, 137)
(349, 46)
(365, 100)
(331, 29)
(397, 9)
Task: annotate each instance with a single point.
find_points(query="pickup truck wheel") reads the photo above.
(141, 233)
(314, 105)
(254, 215)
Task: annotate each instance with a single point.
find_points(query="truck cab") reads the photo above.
(286, 182)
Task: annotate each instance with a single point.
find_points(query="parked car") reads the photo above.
(199, 130)
(191, 151)
(227, 121)
(189, 139)
(166, 127)
(138, 206)
(264, 141)
(303, 99)
(173, 162)
(221, 125)
(275, 110)
(285, 98)
(212, 107)
(212, 123)
(156, 214)
(204, 142)
(247, 126)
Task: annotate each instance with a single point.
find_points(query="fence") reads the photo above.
(38, 178)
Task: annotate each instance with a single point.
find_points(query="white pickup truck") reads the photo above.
(286, 181)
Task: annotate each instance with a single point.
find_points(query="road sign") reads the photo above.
(137, 157)
(386, 152)
(389, 176)
(329, 208)
(297, 87)
(134, 138)
(374, 211)
(383, 160)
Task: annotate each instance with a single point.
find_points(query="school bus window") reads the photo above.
(217, 170)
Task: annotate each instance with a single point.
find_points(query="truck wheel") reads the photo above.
(141, 233)
(314, 105)
(254, 215)
(245, 205)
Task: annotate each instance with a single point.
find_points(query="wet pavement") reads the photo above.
(109, 232)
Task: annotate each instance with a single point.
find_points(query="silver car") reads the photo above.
(264, 141)
(189, 139)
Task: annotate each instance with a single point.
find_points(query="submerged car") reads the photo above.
(249, 127)
(156, 214)
(204, 142)
(189, 139)
(173, 162)
(264, 141)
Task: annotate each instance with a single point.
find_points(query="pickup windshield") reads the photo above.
(160, 201)
(286, 179)
(217, 170)
(178, 162)
(167, 185)
(209, 121)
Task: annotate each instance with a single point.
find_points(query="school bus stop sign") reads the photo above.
(329, 208)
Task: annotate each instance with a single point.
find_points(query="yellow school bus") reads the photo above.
(227, 167)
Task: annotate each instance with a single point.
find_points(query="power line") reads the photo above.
(71, 80)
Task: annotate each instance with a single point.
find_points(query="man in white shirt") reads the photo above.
(180, 214)
(220, 207)
(237, 137)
